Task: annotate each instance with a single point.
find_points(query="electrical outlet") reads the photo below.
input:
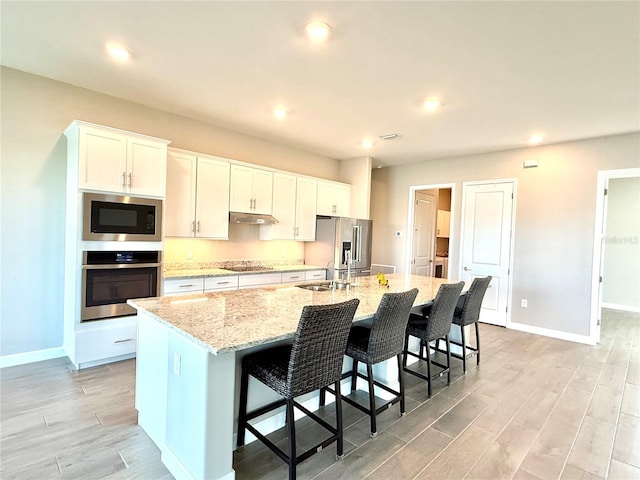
(189, 254)
(524, 303)
(177, 364)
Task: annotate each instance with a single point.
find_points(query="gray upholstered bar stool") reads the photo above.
(468, 313)
(314, 360)
(382, 341)
(434, 326)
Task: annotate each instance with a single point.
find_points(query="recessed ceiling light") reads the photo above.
(118, 52)
(318, 31)
(535, 139)
(432, 104)
(280, 112)
(366, 143)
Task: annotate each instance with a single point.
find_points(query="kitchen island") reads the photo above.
(189, 353)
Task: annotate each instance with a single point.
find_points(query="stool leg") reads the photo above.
(448, 359)
(354, 375)
(401, 384)
(242, 414)
(406, 350)
(372, 401)
(339, 427)
(291, 427)
(464, 350)
(428, 369)
(323, 395)
(477, 344)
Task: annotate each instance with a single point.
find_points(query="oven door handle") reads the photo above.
(119, 265)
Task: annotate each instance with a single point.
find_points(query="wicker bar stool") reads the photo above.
(375, 344)
(468, 313)
(433, 327)
(313, 361)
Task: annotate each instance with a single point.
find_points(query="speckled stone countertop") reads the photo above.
(218, 272)
(238, 319)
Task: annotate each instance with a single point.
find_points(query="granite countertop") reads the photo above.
(218, 272)
(234, 320)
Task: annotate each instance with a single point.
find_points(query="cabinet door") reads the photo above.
(342, 199)
(147, 167)
(102, 163)
(181, 192)
(284, 206)
(212, 199)
(241, 189)
(306, 203)
(442, 223)
(262, 192)
(326, 204)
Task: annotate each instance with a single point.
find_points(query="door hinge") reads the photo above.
(598, 322)
(606, 191)
(600, 278)
(506, 309)
(512, 196)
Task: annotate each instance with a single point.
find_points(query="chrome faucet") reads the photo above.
(348, 255)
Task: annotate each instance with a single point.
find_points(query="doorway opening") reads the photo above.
(429, 229)
(615, 242)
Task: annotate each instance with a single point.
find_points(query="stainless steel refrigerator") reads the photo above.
(334, 237)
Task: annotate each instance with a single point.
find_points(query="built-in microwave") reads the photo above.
(110, 217)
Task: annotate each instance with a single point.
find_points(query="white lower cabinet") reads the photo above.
(212, 284)
(178, 286)
(315, 275)
(248, 281)
(106, 339)
(292, 277)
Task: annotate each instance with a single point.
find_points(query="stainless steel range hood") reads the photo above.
(251, 218)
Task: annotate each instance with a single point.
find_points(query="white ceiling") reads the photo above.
(504, 70)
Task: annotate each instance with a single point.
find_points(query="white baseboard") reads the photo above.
(624, 308)
(30, 357)
(547, 332)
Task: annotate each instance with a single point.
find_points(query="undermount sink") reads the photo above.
(317, 287)
(322, 287)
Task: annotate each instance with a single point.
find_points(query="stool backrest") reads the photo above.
(319, 345)
(442, 309)
(386, 339)
(473, 301)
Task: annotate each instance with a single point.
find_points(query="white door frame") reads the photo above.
(514, 181)
(599, 230)
(410, 214)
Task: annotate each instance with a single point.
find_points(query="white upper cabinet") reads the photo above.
(294, 206)
(112, 160)
(197, 203)
(251, 190)
(334, 199)
(443, 220)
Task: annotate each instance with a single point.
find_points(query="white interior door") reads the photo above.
(486, 244)
(424, 217)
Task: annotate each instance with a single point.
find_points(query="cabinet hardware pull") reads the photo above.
(129, 179)
(193, 226)
(198, 226)
(123, 179)
(125, 340)
(187, 286)
(222, 283)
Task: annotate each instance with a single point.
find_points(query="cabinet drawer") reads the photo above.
(315, 275)
(260, 279)
(221, 283)
(292, 277)
(173, 286)
(107, 341)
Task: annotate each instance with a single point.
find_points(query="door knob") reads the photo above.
(467, 269)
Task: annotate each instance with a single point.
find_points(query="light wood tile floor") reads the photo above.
(536, 408)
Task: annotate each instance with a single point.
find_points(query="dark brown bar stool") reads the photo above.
(375, 344)
(313, 361)
(434, 326)
(468, 313)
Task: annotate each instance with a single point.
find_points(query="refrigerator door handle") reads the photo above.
(357, 243)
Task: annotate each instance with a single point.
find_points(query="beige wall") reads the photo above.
(555, 215)
(34, 112)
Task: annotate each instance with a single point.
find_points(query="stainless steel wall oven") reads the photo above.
(110, 278)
